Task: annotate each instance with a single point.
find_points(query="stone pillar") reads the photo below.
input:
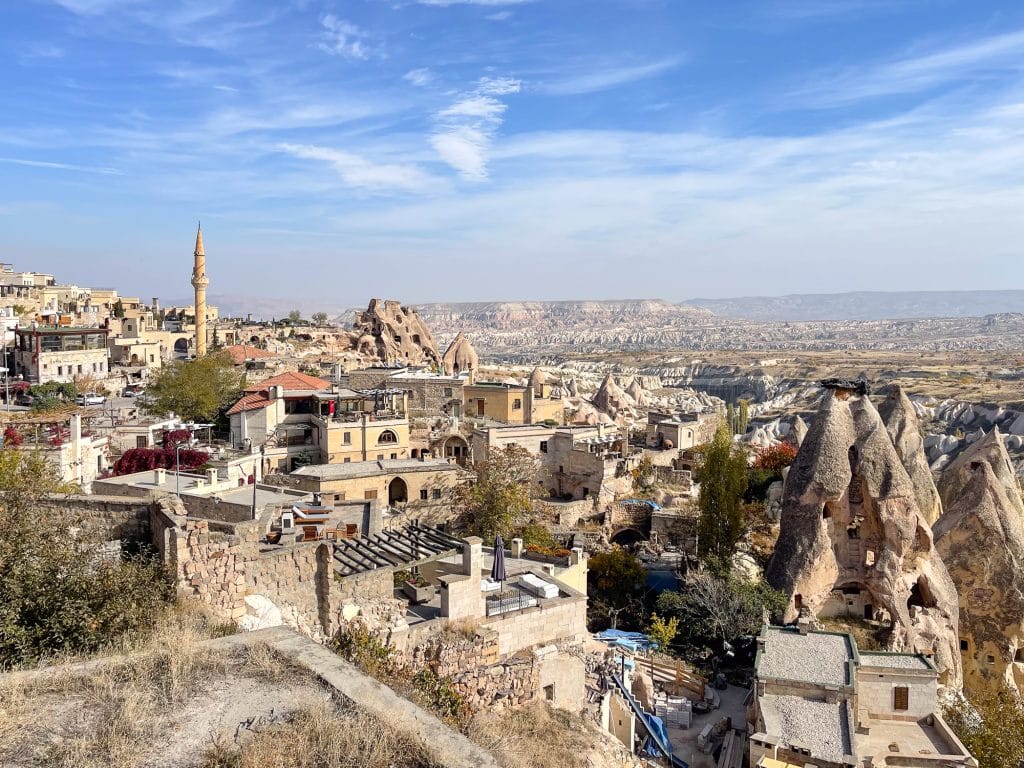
(517, 547)
(472, 556)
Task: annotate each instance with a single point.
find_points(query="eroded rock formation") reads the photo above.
(391, 333)
(460, 357)
(901, 422)
(610, 399)
(981, 540)
(991, 450)
(853, 540)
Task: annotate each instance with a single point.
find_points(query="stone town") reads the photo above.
(332, 496)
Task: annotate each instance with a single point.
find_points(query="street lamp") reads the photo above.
(263, 452)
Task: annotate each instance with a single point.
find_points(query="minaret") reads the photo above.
(199, 282)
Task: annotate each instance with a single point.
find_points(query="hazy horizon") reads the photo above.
(456, 150)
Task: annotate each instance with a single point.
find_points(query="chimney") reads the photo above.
(159, 476)
(211, 476)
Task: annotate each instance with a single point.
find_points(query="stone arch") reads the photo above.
(626, 536)
(181, 346)
(456, 447)
(387, 437)
(398, 492)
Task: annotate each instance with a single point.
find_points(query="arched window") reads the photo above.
(387, 437)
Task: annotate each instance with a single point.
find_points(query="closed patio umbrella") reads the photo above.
(498, 567)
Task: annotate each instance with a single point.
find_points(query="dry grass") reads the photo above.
(106, 712)
(539, 736)
(323, 737)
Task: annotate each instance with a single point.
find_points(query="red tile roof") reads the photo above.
(242, 352)
(290, 380)
(250, 402)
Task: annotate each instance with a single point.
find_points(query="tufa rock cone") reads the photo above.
(460, 357)
(852, 538)
(991, 450)
(981, 540)
(901, 423)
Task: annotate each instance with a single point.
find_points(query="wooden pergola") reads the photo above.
(411, 545)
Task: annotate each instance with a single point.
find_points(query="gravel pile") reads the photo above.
(822, 727)
(812, 658)
(893, 661)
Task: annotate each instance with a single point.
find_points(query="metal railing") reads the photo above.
(509, 600)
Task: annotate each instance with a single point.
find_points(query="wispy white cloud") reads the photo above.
(62, 166)
(343, 38)
(919, 72)
(419, 77)
(499, 16)
(601, 79)
(467, 127)
(474, 2)
(42, 51)
(358, 172)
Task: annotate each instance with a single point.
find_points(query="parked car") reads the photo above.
(131, 391)
(24, 398)
(90, 398)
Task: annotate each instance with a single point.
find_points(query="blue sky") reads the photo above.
(514, 149)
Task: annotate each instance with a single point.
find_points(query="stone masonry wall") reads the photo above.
(104, 517)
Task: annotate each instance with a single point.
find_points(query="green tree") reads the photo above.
(58, 595)
(118, 309)
(294, 316)
(991, 726)
(663, 631)
(723, 479)
(743, 417)
(717, 609)
(502, 496)
(615, 582)
(730, 417)
(196, 389)
(320, 319)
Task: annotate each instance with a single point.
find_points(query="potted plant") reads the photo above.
(417, 589)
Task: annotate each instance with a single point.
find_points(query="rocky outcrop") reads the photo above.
(852, 534)
(460, 357)
(798, 431)
(537, 381)
(610, 399)
(981, 540)
(901, 423)
(991, 450)
(636, 392)
(390, 333)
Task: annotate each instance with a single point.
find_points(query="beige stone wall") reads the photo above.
(564, 619)
(875, 693)
(499, 403)
(364, 441)
(102, 517)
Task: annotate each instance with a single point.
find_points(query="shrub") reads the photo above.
(776, 457)
(142, 459)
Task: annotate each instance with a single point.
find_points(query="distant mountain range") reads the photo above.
(864, 305)
(860, 305)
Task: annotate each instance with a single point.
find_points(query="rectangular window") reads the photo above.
(346, 438)
(543, 446)
(370, 495)
(447, 391)
(394, 455)
(423, 494)
(517, 404)
(436, 493)
(348, 460)
(901, 698)
(79, 369)
(380, 457)
(60, 370)
(141, 441)
(339, 497)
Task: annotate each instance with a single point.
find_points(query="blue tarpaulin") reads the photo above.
(632, 640)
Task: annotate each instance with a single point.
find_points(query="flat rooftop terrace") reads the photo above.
(817, 657)
(822, 727)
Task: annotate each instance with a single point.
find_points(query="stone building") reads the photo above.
(299, 419)
(414, 489)
(45, 353)
(819, 701)
(666, 431)
(577, 462)
(507, 403)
